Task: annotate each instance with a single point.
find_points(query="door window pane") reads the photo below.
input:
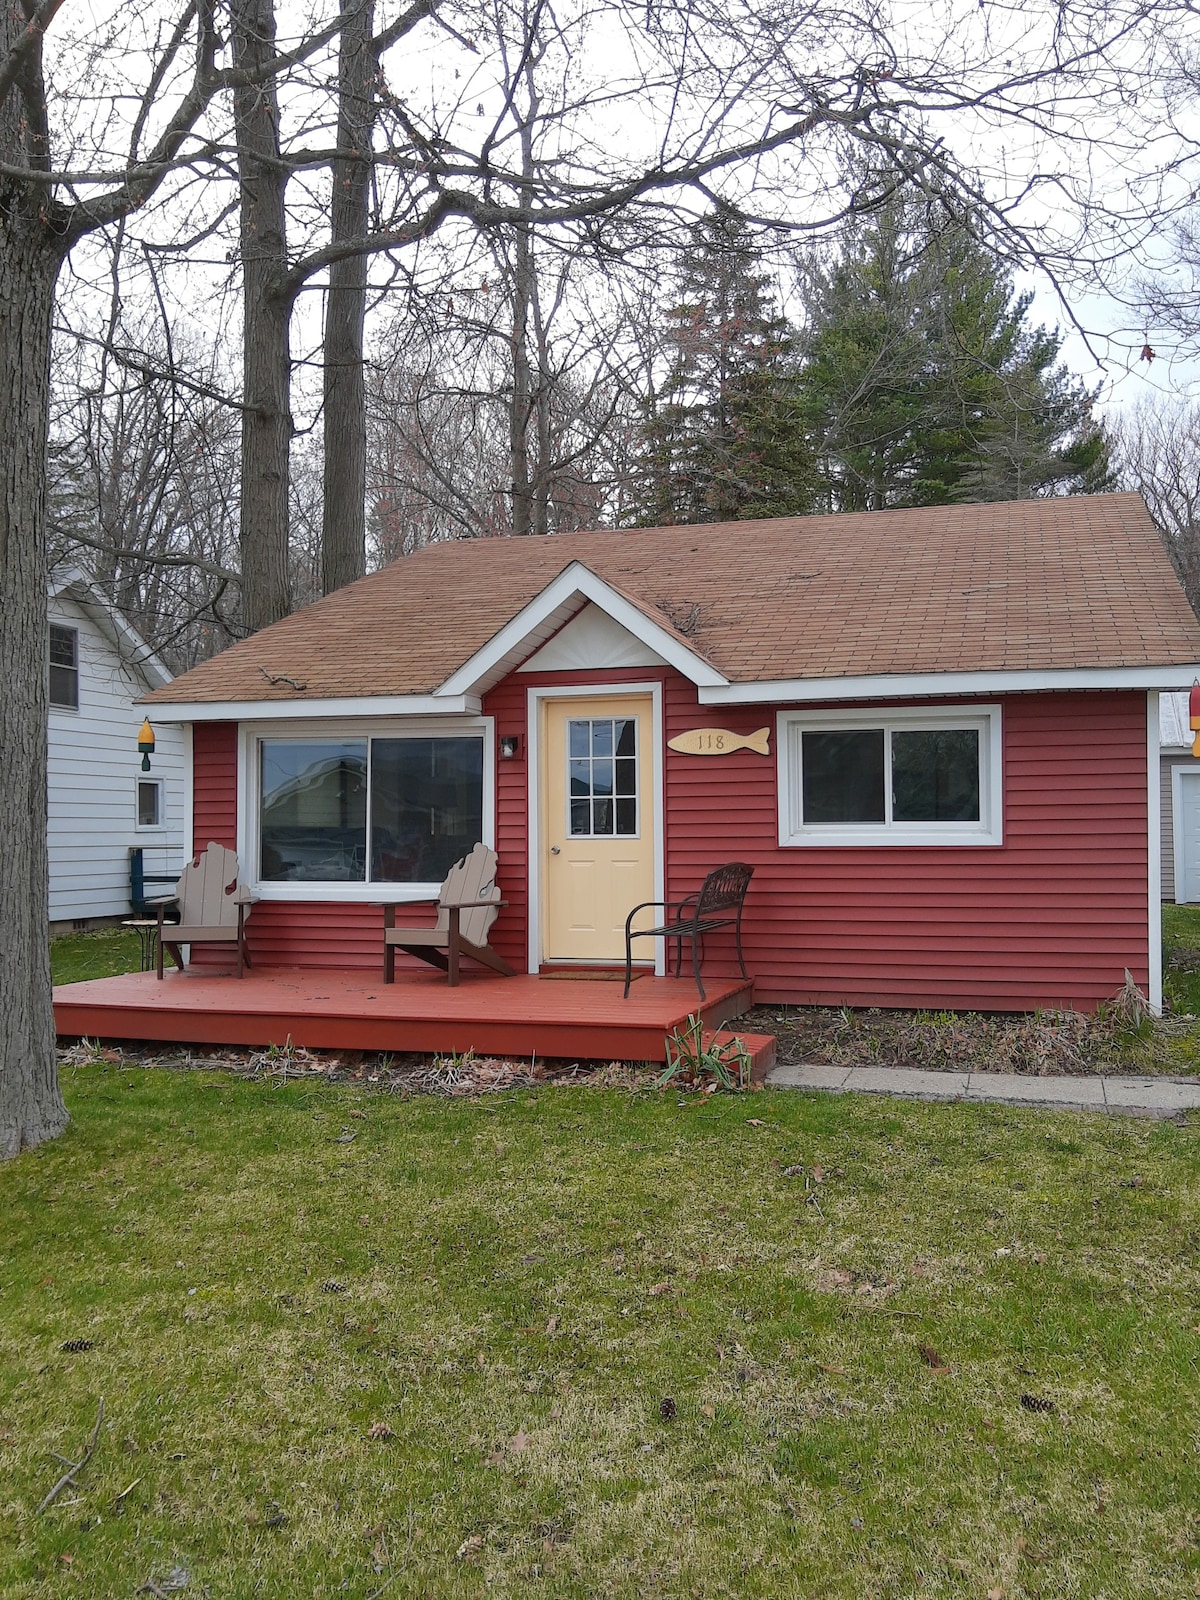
(426, 806)
(843, 776)
(602, 764)
(313, 823)
(935, 775)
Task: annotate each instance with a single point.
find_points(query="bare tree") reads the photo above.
(1157, 449)
(142, 489)
(266, 318)
(40, 225)
(343, 538)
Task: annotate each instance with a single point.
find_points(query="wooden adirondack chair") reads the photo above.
(213, 907)
(468, 903)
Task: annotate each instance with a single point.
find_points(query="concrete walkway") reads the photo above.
(1137, 1097)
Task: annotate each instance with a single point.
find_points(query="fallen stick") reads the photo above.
(74, 1467)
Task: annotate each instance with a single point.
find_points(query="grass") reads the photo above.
(432, 1359)
(1181, 959)
(106, 953)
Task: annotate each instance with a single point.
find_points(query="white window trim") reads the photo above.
(150, 827)
(988, 831)
(249, 736)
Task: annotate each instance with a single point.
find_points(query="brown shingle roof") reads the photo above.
(1032, 584)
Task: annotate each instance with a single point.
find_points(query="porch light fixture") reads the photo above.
(146, 743)
(510, 746)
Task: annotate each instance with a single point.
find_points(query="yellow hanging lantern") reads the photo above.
(146, 743)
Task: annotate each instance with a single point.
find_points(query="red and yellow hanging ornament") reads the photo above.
(1194, 716)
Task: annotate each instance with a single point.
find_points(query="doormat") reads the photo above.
(593, 974)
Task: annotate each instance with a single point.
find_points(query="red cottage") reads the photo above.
(933, 733)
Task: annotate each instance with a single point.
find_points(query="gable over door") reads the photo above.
(597, 830)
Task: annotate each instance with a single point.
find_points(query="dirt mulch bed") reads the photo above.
(387, 1072)
(1039, 1045)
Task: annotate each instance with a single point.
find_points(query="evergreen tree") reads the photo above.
(922, 383)
(725, 437)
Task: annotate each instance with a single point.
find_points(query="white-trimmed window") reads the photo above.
(64, 667)
(148, 803)
(904, 776)
(351, 811)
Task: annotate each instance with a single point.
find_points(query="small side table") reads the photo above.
(147, 932)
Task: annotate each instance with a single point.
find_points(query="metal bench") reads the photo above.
(717, 904)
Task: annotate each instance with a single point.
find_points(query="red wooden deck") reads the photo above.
(521, 1016)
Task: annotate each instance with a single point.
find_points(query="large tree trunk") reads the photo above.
(344, 523)
(266, 328)
(522, 390)
(31, 1107)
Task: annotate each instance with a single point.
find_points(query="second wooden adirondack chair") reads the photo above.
(213, 907)
(468, 903)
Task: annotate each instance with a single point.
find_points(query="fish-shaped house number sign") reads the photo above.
(720, 742)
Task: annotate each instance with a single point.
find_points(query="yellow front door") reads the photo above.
(597, 825)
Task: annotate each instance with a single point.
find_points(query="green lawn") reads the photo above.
(1181, 959)
(431, 1359)
(75, 957)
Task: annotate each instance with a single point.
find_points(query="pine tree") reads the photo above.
(725, 438)
(922, 381)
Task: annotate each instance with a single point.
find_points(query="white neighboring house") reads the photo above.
(1179, 794)
(101, 804)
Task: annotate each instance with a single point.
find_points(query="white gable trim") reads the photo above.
(918, 685)
(592, 641)
(558, 602)
(71, 583)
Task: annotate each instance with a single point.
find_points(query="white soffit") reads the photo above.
(555, 606)
(592, 640)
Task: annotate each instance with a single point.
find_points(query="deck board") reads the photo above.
(519, 1016)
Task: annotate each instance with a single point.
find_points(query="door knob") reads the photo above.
(554, 850)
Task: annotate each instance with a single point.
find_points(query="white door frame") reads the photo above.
(533, 739)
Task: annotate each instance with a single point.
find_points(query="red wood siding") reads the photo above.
(1050, 918)
(510, 933)
(214, 791)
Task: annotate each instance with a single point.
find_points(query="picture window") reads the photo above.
(374, 810)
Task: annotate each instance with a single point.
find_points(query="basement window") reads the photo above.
(918, 777)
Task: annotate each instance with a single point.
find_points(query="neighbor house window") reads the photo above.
(372, 810)
(149, 803)
(64, 668)
(898, 777)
